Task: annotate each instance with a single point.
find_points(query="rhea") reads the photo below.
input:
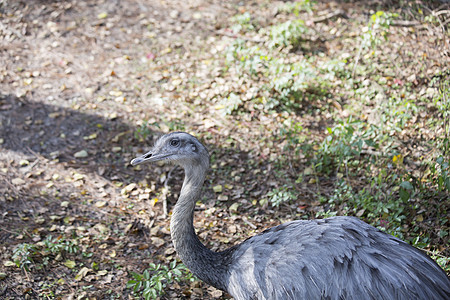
(333, 258)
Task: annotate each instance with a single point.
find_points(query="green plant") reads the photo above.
(142, 132)
(379, 205)
(296, 6)
(46, 292)
(288, 34)
(440, 172)
(293, 83)
(326, 214)
(293, 134)
(248, 60)
(282, 85)
(23, 255)
(242, 22)
(230, 104)
(281, 195)
(345, 141)
(176, 125)
(379, 24)
(153, 281)
(59, 245)
(443, 261)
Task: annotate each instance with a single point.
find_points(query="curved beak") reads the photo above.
(148, 157)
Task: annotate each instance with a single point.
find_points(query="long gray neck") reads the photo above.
(204, 263)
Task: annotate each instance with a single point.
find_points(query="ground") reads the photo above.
(308, 109)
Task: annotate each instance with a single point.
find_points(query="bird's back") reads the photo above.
(334, 258)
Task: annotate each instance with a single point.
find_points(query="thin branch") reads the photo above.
(405, 23)
(339, 12)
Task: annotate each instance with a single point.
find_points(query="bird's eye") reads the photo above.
(174, 143)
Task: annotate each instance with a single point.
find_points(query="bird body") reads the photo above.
(333, 258)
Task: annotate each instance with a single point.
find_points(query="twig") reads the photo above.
(151, 224)
(371, 152)
(246, 221)
(8, 231)
(441, 12)
(339, 12)
(405, 23)
(432, 253)
(358, 56)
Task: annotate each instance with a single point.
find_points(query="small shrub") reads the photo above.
(242, 22)
(296, 6)
(142, 132)
(344, 142)
(60, 245)
(281, 195)
(288, 34)
(294, 135)
(441, 173)
(230, 104)
(152, 283)
(376, 204)
(379, 25)
(23, 255)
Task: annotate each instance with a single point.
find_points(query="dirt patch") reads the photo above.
(88, 85)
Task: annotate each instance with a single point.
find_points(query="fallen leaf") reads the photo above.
(222, 198)
(9, 263)
(81, 154)
(77, 176)
(24, 162)
(102, 15)
(100, 204)
(82, 273)
(143, 246)
(101, 228)
(234, 207)
(217, 188)
(215, 293)
(90, 137)
(158, 242)
(70, 264)
(18, 181)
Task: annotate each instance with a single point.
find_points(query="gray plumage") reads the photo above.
(334, 258)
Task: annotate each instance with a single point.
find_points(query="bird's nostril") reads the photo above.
(148, 155)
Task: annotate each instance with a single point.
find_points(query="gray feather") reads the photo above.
(334, 258)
